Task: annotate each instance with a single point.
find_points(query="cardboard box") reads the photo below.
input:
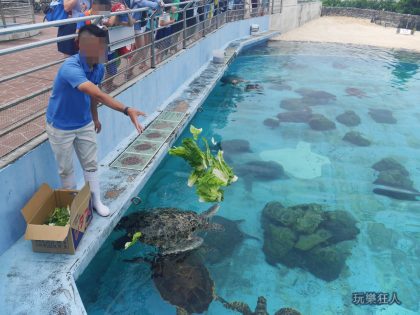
(57, 239)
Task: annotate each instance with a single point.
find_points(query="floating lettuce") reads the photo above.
(209, 173)
(134, 240)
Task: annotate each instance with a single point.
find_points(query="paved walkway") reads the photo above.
(15, 89)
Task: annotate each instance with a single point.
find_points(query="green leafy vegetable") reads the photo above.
(134, 240)
(59, 217)
(209, 173)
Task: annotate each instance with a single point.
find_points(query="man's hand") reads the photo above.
(98, 126)
(133, 114)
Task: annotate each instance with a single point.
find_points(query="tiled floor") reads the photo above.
(141, 151)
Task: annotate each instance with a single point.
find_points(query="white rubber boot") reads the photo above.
(68, 182)
(93, 179)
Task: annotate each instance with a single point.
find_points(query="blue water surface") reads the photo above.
(385, 256)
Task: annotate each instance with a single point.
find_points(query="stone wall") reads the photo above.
(380, 17)
(294, 14)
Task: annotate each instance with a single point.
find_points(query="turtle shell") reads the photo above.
(287, 311)
(184, 281)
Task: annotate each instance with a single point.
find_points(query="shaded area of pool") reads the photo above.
(289, 104)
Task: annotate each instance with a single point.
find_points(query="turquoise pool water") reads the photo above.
(316, 264)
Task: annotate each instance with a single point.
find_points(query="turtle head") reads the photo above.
(261, 303)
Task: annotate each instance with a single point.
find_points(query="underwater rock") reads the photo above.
(311, 218)
(261, 170)
(326, 263)
(307, 242)
(320, 123)
(382, 116)
(316, 97)
(348, 118)
(275, 212)
(293, 104)
(388, 164)
(235, 146)
(355, 92)
(341, 224)
(356, 138)
(219, 245)
(231, 79)
(272, 123)
(303, 236)
(394, 178)
(278, 241)
(297, 116)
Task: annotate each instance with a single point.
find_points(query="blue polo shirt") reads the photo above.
(68, 108)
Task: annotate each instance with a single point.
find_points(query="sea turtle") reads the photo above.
(171, 230)
(253, 87)
(231, 79)
(182, 280)
(219, 245)
(261, 308)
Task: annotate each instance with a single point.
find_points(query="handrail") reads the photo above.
(150, 54)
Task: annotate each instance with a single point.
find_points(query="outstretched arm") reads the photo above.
(95, 93)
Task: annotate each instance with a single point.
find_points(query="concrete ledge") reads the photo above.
(35, 283)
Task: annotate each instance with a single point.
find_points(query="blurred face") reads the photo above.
(92, 48)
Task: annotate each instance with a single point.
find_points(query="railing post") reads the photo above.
(32, 11)
(3, 19)
(272, 6)
(152, 47)
(184, 31)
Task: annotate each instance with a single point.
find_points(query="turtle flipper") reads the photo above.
(182, 246)
(210, 211)
(236, 306)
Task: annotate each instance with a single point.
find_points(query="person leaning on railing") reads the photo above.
(73, 8)
(72, 116)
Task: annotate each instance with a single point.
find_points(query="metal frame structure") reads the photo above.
(15, 12)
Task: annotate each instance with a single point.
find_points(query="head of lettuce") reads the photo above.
(209, 173)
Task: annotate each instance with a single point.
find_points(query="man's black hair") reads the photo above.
(93, 30)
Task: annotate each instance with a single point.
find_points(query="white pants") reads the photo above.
(84, 142)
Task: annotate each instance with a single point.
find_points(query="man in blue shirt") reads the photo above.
(72, 116)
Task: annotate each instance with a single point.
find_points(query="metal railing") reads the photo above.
(15, 12)
(191, 21)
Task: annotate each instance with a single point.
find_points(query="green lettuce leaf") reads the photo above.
(209, 173)
(134, 240)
